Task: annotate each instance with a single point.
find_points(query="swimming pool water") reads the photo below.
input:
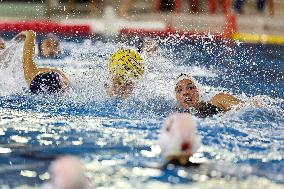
(116, 139)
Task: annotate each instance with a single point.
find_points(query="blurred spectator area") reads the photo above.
(84, 8)
(95, 7)
(202, 6)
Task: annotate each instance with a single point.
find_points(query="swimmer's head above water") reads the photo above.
(49, 46)
(188, 96)
(126, 64)
(186, 90)
(125, 67)
(46, 80)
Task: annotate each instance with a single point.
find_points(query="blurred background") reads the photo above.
(261, 17)
(94, 8)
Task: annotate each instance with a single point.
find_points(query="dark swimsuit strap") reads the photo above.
(206, 109)
(178, 162)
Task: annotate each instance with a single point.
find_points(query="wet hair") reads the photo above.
(41, 39)
(46, 83)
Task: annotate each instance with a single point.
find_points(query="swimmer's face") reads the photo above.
(186, 94)
(2, 44)
(50, 47)
(123, 87)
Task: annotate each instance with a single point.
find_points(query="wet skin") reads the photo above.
(2, 44)
(187, 94)
(120, 89)
(50, 47)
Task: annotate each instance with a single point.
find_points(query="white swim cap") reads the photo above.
(183, 76)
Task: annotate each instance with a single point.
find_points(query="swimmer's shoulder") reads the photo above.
(206, 109)
(50, 69)
(115, 93)
(224, 101)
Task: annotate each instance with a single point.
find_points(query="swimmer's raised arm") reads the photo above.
(225, 101)
(30, 68)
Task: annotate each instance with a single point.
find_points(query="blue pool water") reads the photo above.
(117, 139)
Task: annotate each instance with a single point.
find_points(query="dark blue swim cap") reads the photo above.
(47, 83)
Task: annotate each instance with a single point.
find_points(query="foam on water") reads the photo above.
(11, 69)
(117, 139)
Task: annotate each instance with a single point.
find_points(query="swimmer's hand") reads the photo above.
(122, 90)
(21, 36)
(2, 44)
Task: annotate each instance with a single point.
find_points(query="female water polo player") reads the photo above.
(49, 46)
(39, 80)
(125, 67)
(188, 97)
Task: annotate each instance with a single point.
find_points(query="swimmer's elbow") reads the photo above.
(227, 97)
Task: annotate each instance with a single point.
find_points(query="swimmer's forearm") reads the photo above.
(29, 45)
(225, 101)
(30, 68)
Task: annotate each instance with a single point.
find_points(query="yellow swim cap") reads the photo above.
(126, 64)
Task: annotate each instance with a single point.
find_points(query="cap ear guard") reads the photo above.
(183, 76)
